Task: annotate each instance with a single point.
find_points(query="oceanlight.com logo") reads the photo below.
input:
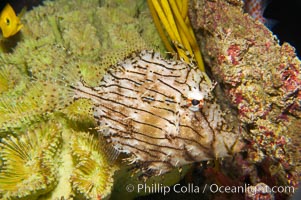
(212, 188)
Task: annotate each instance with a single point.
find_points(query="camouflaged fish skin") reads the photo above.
(161, 112)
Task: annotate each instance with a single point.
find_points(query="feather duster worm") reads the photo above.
(30, 162)
(92, 176)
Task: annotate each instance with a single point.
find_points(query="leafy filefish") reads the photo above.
(161, 112)
(10, 23)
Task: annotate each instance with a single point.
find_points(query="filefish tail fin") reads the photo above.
(264, 4)
(270, 23)
(256, 9)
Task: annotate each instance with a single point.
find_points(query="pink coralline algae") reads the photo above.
(233, 53)
(259, 191)
(290, 76)
(261, 79)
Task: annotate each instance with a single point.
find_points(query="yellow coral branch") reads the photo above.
(163, 18)
(190, 37)
(165, 14)
(171, 20)
(159, 27)
(184, 8)
(173, 16)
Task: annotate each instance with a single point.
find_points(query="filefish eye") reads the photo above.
(195, 105)
(7, 21)
(195, 102)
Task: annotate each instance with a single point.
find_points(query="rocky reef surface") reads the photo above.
(261, 80)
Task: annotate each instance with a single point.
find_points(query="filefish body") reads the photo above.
(161, 112)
